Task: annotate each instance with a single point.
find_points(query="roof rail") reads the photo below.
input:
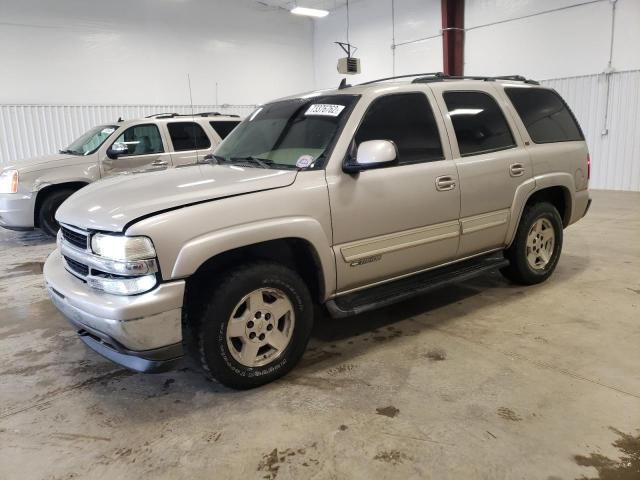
(438, 77)
(402, 76)
(200, 114)
(162, 115)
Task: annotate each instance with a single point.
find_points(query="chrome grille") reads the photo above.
(75, 238)
(77, 267)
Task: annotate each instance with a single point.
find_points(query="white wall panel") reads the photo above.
(131, 52)
(615, 157)
(372, 31)
(565, 43)
(31, 130)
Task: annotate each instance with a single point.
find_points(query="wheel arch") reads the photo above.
(46, 190)
(555, 189)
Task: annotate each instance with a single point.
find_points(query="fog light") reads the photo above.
(123, 286)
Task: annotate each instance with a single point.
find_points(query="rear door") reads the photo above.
(146, 151)
(189, 142)
(492, 162)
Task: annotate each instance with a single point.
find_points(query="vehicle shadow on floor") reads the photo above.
(333, 342)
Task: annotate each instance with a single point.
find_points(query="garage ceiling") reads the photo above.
(289, 4)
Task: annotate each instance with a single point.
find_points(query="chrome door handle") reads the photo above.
(160, 163)
(516, 169)
(445, 183)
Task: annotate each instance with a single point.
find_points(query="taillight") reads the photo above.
(588, 166)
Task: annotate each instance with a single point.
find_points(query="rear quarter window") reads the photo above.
(545, 115)
(224, 127)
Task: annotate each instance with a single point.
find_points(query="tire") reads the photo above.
(532, 259)
(47, 212)
(235, 308)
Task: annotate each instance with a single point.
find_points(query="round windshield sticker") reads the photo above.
(304, 161)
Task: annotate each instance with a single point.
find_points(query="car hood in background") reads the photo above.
(111, 204)
(50, 161)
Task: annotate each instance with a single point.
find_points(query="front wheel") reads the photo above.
(48, 207)
(256, 325)
(535, 251)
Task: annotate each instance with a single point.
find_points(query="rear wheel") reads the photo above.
(256, 325)
(535, 251)
(48, 207)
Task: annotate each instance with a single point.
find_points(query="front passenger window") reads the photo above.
(407, 120)
(141, 140)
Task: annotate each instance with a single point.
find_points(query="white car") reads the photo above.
(32, 190)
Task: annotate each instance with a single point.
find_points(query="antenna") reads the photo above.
(195, 145)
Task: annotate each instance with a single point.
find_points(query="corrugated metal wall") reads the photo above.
(31, 130)
(615, 156)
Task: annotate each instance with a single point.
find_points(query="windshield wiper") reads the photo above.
(261, 162)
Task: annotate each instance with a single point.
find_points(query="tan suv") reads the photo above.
(31, 190)
(354, 199)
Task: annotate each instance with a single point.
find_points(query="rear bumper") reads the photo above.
(141, 332)
(16, 211)
(581, 204)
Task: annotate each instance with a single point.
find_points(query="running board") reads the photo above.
(409, 287)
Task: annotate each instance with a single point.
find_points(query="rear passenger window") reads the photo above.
(479, 123)
(407, 120)
(545, 114)
(187, 136)
(223, 128)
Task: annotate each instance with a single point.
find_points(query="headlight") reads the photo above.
(118, 247)
(9, 181)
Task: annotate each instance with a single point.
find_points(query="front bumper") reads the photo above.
(16, 211)
(141, 332)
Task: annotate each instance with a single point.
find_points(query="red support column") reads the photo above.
(453, 36)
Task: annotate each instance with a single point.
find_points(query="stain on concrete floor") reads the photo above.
(508, 414)
(389, 411)
(393, 457)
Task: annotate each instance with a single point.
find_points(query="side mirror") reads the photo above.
(372, 154)
(117, 149)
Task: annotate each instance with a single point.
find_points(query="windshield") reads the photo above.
(91, 140)
(288, 134)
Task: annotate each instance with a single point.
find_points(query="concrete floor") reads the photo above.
(481, 380)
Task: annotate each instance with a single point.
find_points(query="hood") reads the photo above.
(50, 161)
(113, 203)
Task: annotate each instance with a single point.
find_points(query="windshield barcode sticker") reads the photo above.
(324, 109)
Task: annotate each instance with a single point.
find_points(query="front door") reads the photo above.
(396, 220)
(145, 152)
(492, 163)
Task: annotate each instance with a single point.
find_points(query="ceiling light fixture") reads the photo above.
(309, 12)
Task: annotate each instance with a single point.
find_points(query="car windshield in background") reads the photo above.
(288, 134)
(91, 140)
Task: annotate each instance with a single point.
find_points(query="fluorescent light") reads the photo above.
(309, 12)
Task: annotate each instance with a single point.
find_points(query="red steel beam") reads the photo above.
(453, 36)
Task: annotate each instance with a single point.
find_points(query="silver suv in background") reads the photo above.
(353, 199)
(32, 190)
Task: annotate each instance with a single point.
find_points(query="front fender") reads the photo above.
(198, 250)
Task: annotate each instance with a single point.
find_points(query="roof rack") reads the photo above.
(438, 77)
(200, 114)
(397, 77)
